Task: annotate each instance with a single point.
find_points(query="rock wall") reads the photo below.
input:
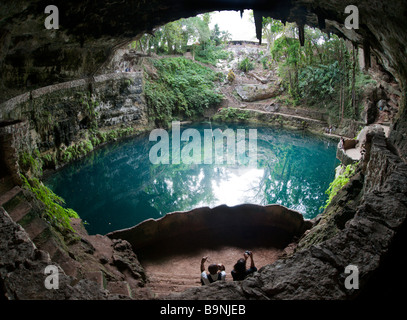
(89, 267)
(273, 224)
(13, 137)
(22, 268)
(61, 115)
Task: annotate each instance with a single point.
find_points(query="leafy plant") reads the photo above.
(183, 88)
(339, 182)
(231, 76)
(231, 114)
(211, 54)
(246, 65)
(54, 213)
(83, 147)
(31, 162)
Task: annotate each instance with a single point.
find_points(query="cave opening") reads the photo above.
(371, 36)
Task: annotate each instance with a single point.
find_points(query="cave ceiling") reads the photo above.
(32, 56)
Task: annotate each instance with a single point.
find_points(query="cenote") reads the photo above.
(117, 186)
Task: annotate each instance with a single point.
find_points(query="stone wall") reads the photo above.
(14, 135)
(60, 115)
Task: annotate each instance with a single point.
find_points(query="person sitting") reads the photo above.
(239, 271)
(216, 272)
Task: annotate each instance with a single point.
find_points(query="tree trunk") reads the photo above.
(354, 105)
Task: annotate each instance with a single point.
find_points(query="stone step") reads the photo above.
(179, 276)
(171, 282)
(159, 291)
(162, 284)
(9, 195)
(35, 227)
(20, 211)
(50, 245)
(119, 287)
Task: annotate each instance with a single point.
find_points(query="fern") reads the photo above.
(340, 182)
(54, 213)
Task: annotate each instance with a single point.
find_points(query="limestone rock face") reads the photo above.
(33, 56)
(273, 224)
(22, 268)
(54, 117)
(256, 92)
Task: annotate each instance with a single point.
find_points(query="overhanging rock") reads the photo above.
(267, 225)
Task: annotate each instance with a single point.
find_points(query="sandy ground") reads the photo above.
(189, 264)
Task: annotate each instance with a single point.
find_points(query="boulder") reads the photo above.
(256, 92)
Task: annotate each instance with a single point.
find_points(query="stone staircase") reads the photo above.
(81, 260)
(15, 202)
(162, 284)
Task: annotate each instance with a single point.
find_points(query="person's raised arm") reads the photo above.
(203, 263)
(251, 260)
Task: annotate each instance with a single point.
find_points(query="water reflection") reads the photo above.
(117, 186)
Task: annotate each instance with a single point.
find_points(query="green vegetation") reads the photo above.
(231, 76)
(192, 34)
(89, 106)
(232, 115)
(183, 89)
(58, 216)
(339, 182)
(31, 162)
(96, 138)
(324, 73)
(246, 65)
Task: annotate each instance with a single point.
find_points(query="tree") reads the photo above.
(271, 30)
(219, 37)
(287, 52)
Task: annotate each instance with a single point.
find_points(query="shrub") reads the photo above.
(339, 182)
(246, 65)
(182, 88)
(31, 162)
(231, 76)
(232, 115)
(55, 214)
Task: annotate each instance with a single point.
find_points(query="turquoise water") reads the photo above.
(117, 186)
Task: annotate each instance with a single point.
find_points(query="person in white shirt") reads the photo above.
(216, 272)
